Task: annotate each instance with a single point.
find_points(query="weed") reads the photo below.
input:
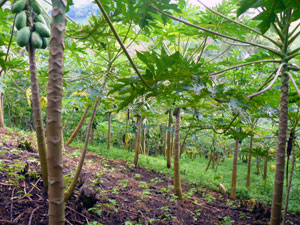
(225, 220)
(209, 197)
(143, 184)
(137, 176)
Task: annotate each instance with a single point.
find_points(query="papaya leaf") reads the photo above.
(69, 3)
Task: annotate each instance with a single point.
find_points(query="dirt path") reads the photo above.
(112, 192)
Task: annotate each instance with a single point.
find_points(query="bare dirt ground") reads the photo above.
(111, 192)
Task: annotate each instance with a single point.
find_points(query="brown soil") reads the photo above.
(112, 192)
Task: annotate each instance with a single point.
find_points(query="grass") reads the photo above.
(193, 172)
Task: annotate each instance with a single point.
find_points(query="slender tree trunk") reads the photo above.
(169, 140)
(234, 170)
(185, 137)
(93, 136)
(38, 118)
(68, 119)
(280, 154)
(77, 129)
(86, 143)
(210, 159)
(2, 124)
(258, 159)
(177, 180)
(249, 162)
(54, 127)
(137, 140)
(9, 116)
(127, 125)
(144, 141)
(288, 188)
(265, 168)
(83, 153)
(109, 130)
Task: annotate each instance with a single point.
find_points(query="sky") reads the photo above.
(83, 3)
(206, 2)
(83, 8)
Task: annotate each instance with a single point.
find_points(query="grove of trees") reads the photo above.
(156, 78)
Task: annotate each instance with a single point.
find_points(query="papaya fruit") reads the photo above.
(23, 36)
(21, 20)
(36, 8)
(36, 40)
(42, 29)
(18, 6)
(45, 43)
(40, 19)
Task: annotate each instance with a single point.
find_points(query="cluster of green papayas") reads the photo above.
(31, 26)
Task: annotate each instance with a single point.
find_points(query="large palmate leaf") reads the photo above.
(267, 17)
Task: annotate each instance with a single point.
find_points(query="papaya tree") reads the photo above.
(54, 106)
(32, 34)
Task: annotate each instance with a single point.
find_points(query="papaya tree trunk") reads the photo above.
(109, 130)
(288, 188)
(77, 129)
(169, 140)
(93, 136)
(234, 170)
(210, 158)
(265, 168)
(177, 180)
(86, 143)
(249, 162)
(137, 140)
(38, 118)
(280, 154)
(54, 106)
(2, 124)
(258, 159)
(68, 119)
(144, 141)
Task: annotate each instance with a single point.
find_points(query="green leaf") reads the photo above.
(245, 5)
(69, 3)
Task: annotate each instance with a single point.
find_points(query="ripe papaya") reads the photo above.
(45, 43)
(36, 40)
(23, 36)
(42, 29)
(18, 6)
(40, 19)
(21, 20)
(36, 8)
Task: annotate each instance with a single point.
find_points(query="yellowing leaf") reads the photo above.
(28, 96)
(43, 102)
(83, 94)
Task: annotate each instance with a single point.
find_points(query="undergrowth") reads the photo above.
(193, 172)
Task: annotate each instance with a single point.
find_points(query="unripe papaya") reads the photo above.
(42, 29)
(36, 8)
(40, 19)
(36, 40)
(18, 6)
(45, 43)
(21, 20)
(23, 36)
